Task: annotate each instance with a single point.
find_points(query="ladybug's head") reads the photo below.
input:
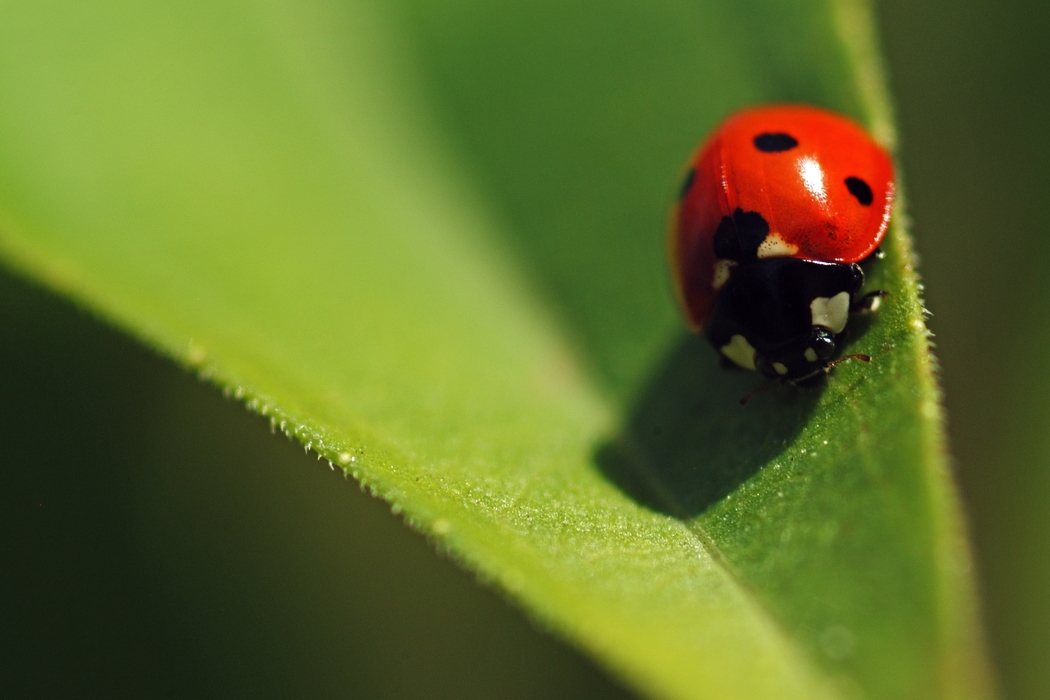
(784, 317)
(800, 358)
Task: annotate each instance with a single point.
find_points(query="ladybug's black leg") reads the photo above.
(764, 386)
(869, 302)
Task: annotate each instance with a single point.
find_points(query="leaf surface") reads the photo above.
(426, 240)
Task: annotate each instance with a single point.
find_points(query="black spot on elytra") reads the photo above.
(727, 247)
(859, 189)
(775, 143)
(738, 237)
(687, 183)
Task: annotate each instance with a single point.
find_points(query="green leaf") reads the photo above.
(426, 240)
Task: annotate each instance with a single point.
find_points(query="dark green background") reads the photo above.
(157, 540)
(972, 85)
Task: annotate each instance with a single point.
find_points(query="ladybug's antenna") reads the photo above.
(846, 358)
(766, 386)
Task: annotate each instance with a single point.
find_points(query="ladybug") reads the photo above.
(778, 207)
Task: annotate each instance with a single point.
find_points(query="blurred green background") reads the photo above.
(116, 464)
(972, 85)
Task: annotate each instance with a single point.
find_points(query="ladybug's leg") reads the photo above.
(869, 303)
(764, 386)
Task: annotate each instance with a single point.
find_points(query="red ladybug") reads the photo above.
(777, 208)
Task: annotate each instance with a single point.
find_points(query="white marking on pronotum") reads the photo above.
(781, 368)
(740, 351)
(774, 246)
(723, 268)
(831, 313)
(810, 354)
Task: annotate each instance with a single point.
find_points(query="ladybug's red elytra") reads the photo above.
(778, 207)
